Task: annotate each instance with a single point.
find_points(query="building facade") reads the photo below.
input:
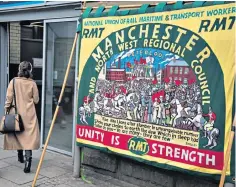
(178, 70)
(42, 33)
(116, 75)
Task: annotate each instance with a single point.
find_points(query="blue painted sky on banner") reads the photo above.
(161, 57)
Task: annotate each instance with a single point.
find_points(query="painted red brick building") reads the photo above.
(178, 70)
(116, 74)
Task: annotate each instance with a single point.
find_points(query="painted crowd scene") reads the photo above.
(149, 86)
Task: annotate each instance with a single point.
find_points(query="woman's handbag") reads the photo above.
(11, 123)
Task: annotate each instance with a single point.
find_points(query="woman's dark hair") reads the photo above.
(25, 70)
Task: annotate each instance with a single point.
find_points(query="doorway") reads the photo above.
(58, 41)
(32, 51)
(26, 44)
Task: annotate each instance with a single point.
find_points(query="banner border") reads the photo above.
(231, 171)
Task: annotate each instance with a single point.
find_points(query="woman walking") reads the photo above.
(26, 93)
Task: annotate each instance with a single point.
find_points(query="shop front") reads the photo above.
(45, 39)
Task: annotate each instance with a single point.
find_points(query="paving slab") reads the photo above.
(48, 155)
(39, 181)
(35, 162)
(16, 175)
(65, 162)
(6, 183)
(6, 154)
(101, 180)
(52, 171)
(62, 185)
(78, 182)
(3, 164)
(70, 181)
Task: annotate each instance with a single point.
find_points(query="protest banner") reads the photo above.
(158, 86)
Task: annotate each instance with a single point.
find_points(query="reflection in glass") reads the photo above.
(60, 37)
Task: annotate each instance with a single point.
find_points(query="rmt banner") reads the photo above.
(158, 87)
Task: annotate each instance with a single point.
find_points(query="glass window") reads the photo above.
(60, 37)
(186, 71)
(180, 70)
(171, 70)
(176, 70)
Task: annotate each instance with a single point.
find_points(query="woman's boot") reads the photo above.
(28, 164)
(28, 160)
(20, 156)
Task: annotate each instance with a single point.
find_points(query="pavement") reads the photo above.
(56, 171)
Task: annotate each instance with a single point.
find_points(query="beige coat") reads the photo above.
(26, 97)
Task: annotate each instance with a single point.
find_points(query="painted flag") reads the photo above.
(154, 96)
(157, 95)
(106, 95)
(133, 77)
(123, 89)
(109, 95)
(154, 81)
(191, 81)
(167, 80)
(178, 82)
(162, 93)
(142, 61)
(87, 99)
(128, 64)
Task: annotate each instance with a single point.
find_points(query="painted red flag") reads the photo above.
(87, 99)
(142, 61)
(154, 96)
(128, 64)
(167, 80)
(178, 82)
(106, 95)
(123, 89)
(154, 81)
(191, 81)
(110, 96)
(162, 93)
(157, 95)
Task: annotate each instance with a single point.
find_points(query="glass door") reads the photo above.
(3, 65)
(59, 37)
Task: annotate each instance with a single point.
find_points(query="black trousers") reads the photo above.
(28, 153)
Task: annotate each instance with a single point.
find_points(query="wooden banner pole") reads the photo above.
(227, 155)
(56, 111)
